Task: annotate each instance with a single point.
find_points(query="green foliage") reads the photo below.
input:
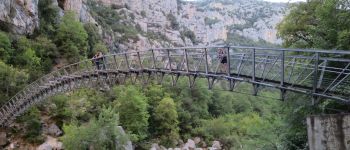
(241, 131)
(132, 106)
(173, 22)
(157, 36)
(167, 122)
(71, 38)
(236, 39)
(105, 16)
(31, 130)
(48, 15)
(93, 38)
(11, 81)
(46, 50)
(317, 24)
(210, 21)
(127, 32)
(5, 47)
(100, 133)
(189, 34)
(192, 104)
(100, 47)
(79, 106)
(143, 14)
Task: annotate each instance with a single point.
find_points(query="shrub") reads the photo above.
(99, 133)
(132, 106)
(173, 22)
(143, 14)
(210, 21)
(71, 38)
(5, 47)
(189, 34)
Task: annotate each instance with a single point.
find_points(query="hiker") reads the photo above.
(222, 55)
(98, 57)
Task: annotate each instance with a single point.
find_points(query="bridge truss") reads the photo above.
(322, 74)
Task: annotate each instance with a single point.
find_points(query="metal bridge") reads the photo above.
(322, 74)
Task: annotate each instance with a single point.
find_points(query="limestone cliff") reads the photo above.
(211, 21)
(19, 16)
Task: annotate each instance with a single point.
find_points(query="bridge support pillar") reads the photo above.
(329, 132)
(255, 89)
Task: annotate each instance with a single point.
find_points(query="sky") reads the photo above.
(285, 1)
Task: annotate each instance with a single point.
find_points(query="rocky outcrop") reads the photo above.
(211, 21)
(51, 144)
(329, 132)
(127, 145)
(19, 16)
(53, 130)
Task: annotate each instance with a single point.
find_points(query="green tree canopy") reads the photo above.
(71, 38)
(167, 122)
(101, 133)
(317, 24)
(5, 47)
(132, 106)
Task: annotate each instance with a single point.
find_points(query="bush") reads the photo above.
(143, 14)
(167, 122)
(189, 34)
(11, 81)
(31, 130)
(127, 32)
(210, 21)
(132, 106)
(93, 38)
(173, 22)
(71, 38)
(100, 133)
(5, 47)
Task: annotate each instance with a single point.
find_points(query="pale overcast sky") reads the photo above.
(285, 0)
(272, 0)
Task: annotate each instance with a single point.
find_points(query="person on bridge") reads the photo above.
(98, 59)
(222, 55)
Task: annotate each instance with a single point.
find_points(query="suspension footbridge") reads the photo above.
(321, 74)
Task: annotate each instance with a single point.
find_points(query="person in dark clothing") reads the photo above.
(97, 59)
(223, 60)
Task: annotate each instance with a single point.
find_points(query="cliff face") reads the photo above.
(19, 16)
(211, 21)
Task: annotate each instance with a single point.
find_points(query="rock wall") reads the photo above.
(19, 16)
(257, 19)
(329, 132)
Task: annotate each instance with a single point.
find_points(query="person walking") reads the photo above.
(97, 60)
(222, 55)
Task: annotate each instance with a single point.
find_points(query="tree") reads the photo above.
(167, 122)
(71, 38)
(49, 16)
(31, 126)
(132, 106)
(154, 94)
(100, 47)
(47, 51)
(11, 81)
(317, 24)
(100, 133)
(26, 58)
(5, 47)
(93, 38)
